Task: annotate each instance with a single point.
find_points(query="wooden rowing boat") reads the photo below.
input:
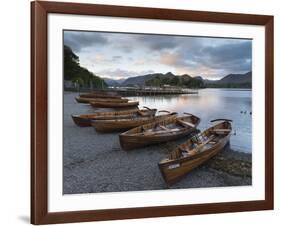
(114, 105)
(85, 119)
(157, 132)
(110, 95)
(87, 100)
(195, 151)
(128, 123)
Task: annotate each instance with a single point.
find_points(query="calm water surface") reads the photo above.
(210, 104)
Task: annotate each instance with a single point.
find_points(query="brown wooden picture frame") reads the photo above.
(39, 112)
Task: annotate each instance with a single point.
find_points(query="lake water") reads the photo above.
(210, 104)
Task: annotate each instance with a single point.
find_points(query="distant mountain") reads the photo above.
(236, 78)
(159, 79)
(232, 81)
(185, 80)
(198, 77)
(140, 80)
(208, 81)
(113, 82)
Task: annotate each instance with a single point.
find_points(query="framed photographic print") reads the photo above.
(146, 112)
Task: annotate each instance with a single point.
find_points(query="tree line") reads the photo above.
(78, 74)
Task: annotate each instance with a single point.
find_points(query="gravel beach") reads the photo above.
(95, 162)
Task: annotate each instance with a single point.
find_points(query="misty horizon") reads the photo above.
(212, 79)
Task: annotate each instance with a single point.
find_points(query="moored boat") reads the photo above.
(159, 131)
(100, 94)
(87, 100)
(127, 123)
(195, 151)
(85, 119)
(114, 104)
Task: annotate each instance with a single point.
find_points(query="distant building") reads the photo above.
(68, 84)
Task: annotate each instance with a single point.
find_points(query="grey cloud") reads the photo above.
(116, 58)
(185, 52)
(79, 40)
(233, 57)
(230, 56)
(158, 42)
(230, 52)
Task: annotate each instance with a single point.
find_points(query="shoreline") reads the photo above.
(94, 162)
(227, 168)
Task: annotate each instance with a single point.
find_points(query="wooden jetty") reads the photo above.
(152, 91)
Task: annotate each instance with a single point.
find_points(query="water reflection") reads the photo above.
(209, 104)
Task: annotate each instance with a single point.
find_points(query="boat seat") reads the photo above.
(185, 123)
(163, 127)
(200, 147)
(159, 132)
(222, 131)
(213, 142)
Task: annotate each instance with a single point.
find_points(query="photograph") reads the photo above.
(146, 111)
(143, 112)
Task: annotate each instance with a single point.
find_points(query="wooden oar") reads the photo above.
(147, 108)
(184, 123)
(221, 119)
(189, 114)
(163, 127)
(160, 132)
(164, 111)
(171, 113)
(196, 149)
(222, 130)
(143, 113)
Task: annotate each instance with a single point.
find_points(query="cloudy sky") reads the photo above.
(122, 55)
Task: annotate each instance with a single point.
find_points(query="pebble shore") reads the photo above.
(95, 162)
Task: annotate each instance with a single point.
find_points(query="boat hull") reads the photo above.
(100, 95)
(86, 100)
(114, 105)
(81, 100)
(85, 120)
(80, 121)
(137, 137)
(106, 126)
(173, 171)
(128, 142)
